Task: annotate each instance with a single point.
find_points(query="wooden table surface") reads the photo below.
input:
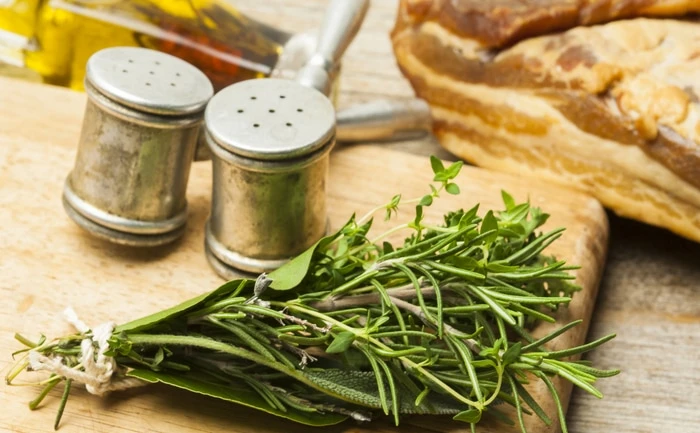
(650, 294)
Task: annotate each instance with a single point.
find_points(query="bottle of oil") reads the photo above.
(54, 38)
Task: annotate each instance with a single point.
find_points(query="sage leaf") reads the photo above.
(291, 274)
(223, 291)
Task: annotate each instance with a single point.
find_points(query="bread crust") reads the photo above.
(500, 23)
(612, 109)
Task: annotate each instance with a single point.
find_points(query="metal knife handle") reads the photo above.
(384, 120)
(340, 25)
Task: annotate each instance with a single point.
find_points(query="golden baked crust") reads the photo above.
(612, 108)
(498, 23)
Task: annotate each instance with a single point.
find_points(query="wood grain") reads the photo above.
(49, 263)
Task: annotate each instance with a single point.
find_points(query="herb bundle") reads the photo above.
(356, 327)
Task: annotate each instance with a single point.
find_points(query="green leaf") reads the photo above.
(557, 402)
(341, 342)
(511, 355)
(579, 349)
(427, 200)
(488, 224)
(552, 335)
(449, 173)
(146, 322)
(470, 215)
(532, 403)
(292, 273)
(376, 324)
(159, 357)
(500, 267)
(392, 206)
(419, 216)
(513, 231)
(452, 188)
(119, 344)
(341, 248)
(387, 247)
(454, 169)
(466, 263)
(462, 352)
(355, 386)
(517, 213)
(235, 393)
(507, 200)
(392, 389)
(436, 164)
(470, 415)
(379, 377)
(516, 401)
(593, 371)
(361, 387)
(423, 394)
(395, 201)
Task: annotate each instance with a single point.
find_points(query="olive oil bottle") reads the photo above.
(53, 39)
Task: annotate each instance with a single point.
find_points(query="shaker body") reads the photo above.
(138, 139)
(133, 169)
(270, 142)
(262, 214)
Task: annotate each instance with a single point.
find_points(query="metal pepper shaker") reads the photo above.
(138, 139)
(270, 140)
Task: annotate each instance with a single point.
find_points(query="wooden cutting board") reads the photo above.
(49, 263)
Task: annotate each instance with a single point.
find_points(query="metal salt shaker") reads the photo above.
(138, 139)
(270, 140)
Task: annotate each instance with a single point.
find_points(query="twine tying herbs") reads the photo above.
(96, 370)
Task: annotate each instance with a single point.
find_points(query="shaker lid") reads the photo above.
(149, 80)
(270, 119)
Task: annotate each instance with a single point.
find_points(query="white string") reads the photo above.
(98, 368)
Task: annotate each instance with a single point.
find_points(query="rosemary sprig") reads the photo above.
(439, 325)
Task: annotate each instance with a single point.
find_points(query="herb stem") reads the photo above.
(389, 233)
(54, 380)
(416, 311)
(62, 405)
(366, 275)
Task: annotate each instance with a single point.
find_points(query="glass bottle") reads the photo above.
(53, 39)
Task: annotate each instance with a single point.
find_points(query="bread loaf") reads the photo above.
(602, 95)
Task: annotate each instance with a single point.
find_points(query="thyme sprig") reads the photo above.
(439, 325)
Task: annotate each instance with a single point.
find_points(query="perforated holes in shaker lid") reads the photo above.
(270, 119)
(149, 80)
